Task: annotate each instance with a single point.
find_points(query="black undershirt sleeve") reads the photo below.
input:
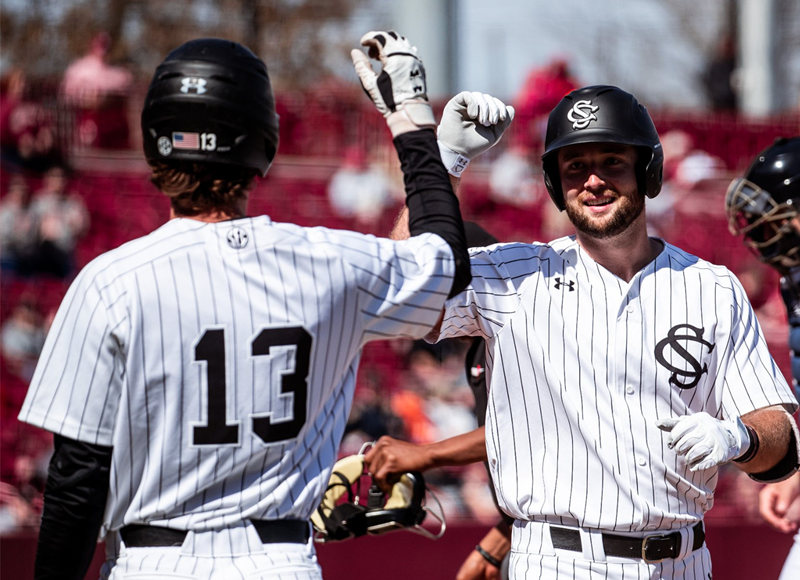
(432, 205)
(74, 504)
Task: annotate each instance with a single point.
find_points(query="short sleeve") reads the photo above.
(76, 386)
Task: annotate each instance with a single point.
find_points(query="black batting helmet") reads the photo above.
(602, 114)
(211, 101)
(762, 204)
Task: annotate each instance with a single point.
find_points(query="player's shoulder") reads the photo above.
(360, 249)
(526, 256)
(682, 262)
(134, 254)
(322, 241)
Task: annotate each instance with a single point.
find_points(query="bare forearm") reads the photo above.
(390, 457)
(774, 431)
(462, 449)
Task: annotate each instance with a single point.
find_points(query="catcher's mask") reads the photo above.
(355, 506)
(762, 204)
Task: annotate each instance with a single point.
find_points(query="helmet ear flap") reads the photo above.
(649, 175)
(552, 181)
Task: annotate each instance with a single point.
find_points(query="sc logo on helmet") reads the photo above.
(581, 114)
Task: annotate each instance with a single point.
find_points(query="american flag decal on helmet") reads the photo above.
(186, 140)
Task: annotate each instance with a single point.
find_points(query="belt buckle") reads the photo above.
(646, 543)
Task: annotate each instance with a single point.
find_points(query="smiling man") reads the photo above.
(622, 371)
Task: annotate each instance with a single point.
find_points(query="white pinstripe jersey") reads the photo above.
(219, 360)
(581, 365)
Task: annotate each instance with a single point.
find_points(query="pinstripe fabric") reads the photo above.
(225, 554)
(185, 350)
(533, 556)
(581, 365)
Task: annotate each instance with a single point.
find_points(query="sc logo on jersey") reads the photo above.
(581, 114)
(676, 338)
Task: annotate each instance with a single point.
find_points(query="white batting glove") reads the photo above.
(399, 91)
(706, 441)
(471, 123)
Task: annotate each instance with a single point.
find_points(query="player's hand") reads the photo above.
(475, 567)
(775, 500)
(389, 458)
(471, 123)
(704, 440)
(400, 91)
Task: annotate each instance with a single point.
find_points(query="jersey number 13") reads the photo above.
(211, 349)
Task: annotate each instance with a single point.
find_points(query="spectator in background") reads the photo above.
(359, 190)
(541, 91)
(17, 228)
(719, 77)
(22, 337)
(687, 169)
(61, 219)
(27, 130)
(21, 497)
(98, 91)
(512, 179)
(15, 511)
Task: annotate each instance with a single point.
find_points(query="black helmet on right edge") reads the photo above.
(602, 114)
(211, 101)
(762, 204)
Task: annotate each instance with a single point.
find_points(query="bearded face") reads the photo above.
(600, 188)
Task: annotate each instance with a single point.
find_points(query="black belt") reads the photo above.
(270, 532)
(652, 548)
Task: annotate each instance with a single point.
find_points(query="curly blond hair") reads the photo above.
(197, 188)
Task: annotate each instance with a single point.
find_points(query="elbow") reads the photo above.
(463, 273)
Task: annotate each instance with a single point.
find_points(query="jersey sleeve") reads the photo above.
(753, 379)
(494, 294)
(76, 386)
(401, 285)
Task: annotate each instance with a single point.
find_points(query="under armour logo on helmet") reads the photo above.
(193, 84)
(581, 114)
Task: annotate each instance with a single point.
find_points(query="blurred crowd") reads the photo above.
(416, 391)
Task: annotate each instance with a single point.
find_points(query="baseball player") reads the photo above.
(198, 379)
(622, 371)
(762, 206)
